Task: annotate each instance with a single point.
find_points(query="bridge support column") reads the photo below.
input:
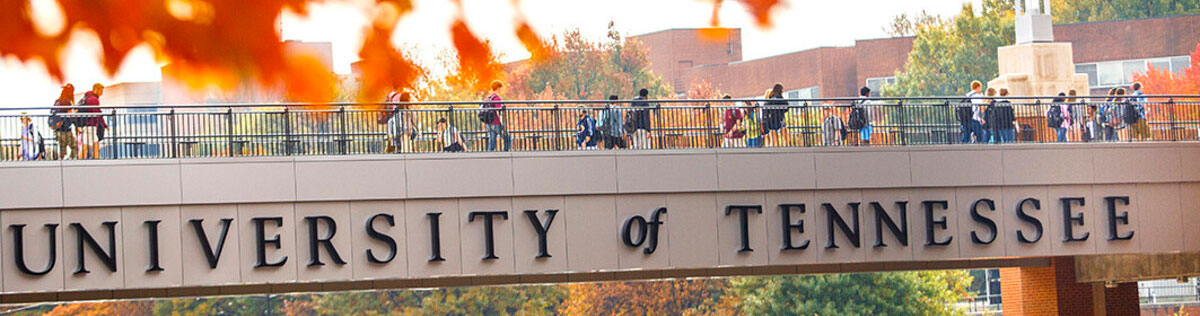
(1053, 290)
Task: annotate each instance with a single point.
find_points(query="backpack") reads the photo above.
(858, 118)
(488, 114)
(964, 113)
(631, 120)
(1130, 113)
(1112, 115)
(1054, 118)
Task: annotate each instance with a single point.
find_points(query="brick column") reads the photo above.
(1052, 290)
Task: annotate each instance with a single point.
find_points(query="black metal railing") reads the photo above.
(186, 131)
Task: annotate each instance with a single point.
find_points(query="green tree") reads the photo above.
(948, 54)
(1075, 11)
(888, 293)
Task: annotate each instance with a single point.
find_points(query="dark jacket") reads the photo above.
(59, 122)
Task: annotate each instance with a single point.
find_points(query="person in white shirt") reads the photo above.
(974, 125)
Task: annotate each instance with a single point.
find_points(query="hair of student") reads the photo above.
(441, 120)
(991, 92)
(405, 97)
(976, 85)
(497, 84)
(1112, 91)
(864, 91)
(727, 97)
(1120, 91)
(643, 92)
(613, 97)
(1004, 92)
(1136, 86)
(68, 93)
(97, 86)
(1072, 92)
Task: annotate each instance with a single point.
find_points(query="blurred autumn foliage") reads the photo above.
(1164, 81)
(888, 293)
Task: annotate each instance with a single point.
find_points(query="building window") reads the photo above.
(876, 84)
(1110, 74)
(806, 93)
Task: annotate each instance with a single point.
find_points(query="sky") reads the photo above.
(797, 25)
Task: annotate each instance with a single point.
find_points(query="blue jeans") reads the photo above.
(972, 127)
(1006, 135)
(1062, 134)
(498, 131)
(754, 142)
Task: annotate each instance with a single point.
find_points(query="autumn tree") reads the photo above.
(667, 297)
(885, 293)
(1164, 81)
(947, 55)
(581, 69)
(1075, 11)
(907, 25)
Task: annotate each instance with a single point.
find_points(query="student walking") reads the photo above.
(62, 124)
(641, 120)
(1111, 113)
(1058, 117)
(752, 126)
(93, 125)
(400, 125)
(31, 139)
(612, 125)
(860, 117)
(833, 131)
(970, 115)
(494, 118)
(585, 129)
(774, 112)
(731, 123)
(1135, 114)
(1002, 119)
(448, 136)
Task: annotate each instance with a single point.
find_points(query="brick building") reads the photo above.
(1109, 52)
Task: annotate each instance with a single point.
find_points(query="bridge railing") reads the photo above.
(186, 131)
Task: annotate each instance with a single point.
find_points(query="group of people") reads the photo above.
(747, 127)
(77, 126)
(614, 123)
(986, 120)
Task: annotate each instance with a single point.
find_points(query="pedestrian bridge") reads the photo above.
(93, 229)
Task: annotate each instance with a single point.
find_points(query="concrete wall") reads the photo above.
(596, 193)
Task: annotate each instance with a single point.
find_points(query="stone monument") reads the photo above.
(1037, 65)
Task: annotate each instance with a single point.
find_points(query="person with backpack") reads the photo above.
(774, 113)
(731, 122)
(400, 126)
(62, 125)
(493, 118)
(639, 119)
(970, 116)
(1111, 115)
(860, 119)
(585, 134)
(1002, 119)
(1058, 117)
(1135, 114)
(752, 128)
(448, 136)
(833, 132)
(31, 139)
(612, 125)
(92, 126)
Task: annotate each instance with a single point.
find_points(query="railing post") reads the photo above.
(658, 125)
(342, 130)
(174, 137)
(287, 131)
(557, 121)
(903, 123)
(1173, 133)
(112, 139)
(229, 130)
(449, 124)
(708, 125)
(950, 117)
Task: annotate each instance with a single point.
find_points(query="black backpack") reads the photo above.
(964, 113)
(487, 115)
(1131, 114)
(857, 119)
(1054, 118)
